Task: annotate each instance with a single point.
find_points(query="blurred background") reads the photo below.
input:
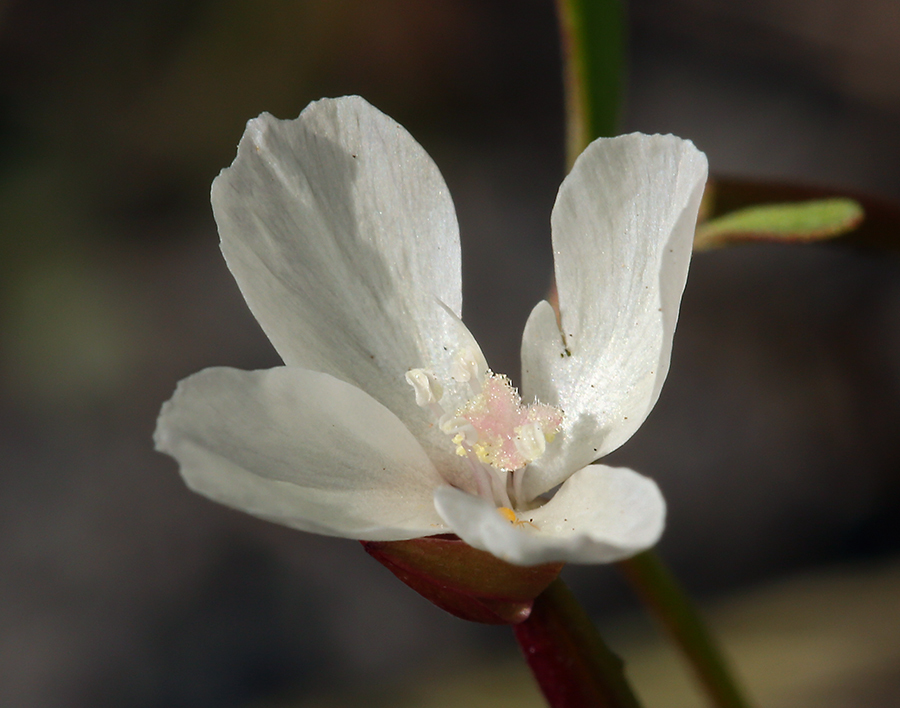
(775, 439)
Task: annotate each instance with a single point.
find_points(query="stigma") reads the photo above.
(492, 427)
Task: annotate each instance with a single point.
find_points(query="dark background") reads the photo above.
(774, 439)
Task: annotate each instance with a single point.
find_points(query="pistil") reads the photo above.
(493, 430)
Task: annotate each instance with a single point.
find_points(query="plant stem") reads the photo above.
(592, 37)
(662, 593)
(564, 651)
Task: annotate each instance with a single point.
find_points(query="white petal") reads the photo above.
(342, 236)
(623, 226)
(600, 515)
(302, 449)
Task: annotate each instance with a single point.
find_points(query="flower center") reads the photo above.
(493, 429)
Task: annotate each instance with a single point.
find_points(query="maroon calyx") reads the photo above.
(465, 581)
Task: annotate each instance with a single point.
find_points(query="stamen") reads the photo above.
(493, 430)
(467, 369)
(498, 485)
(510, 435)
(428, 390)
(530, 440)
(453, 425)
(517, 477)
(482, 480)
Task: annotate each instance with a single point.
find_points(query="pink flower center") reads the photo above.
(508, 435)
(493, 429)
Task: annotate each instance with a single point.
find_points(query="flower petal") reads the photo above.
(302, 449)
(342, 236)
(623, 226)
(600, 514)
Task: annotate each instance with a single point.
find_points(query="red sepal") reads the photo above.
(464, 581)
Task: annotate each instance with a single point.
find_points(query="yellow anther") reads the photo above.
(482, 452)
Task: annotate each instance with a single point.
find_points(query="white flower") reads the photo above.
(385, 422)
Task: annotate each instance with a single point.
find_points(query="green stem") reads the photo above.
(592, 37)
(567, 656)
(662, 593)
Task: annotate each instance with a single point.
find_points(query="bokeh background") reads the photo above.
(775, 439)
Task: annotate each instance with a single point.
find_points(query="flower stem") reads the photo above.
(592, 34)
(592, 37)
(662, 593)
(569, 660)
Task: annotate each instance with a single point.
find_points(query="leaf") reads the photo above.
(813, 220)
(880, 231)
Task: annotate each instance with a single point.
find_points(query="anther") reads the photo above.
(530, 441)
(428, 390)
(466, 368)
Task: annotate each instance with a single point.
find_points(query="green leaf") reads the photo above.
(793, 222)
